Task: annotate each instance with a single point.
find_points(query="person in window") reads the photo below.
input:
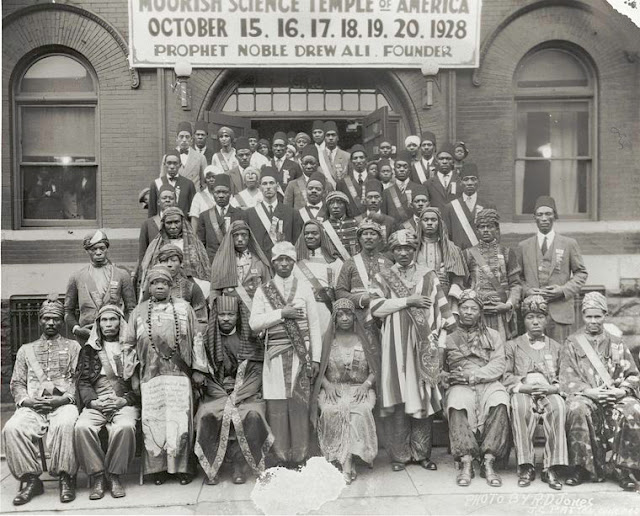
(109, 402)
(475, 400)
(251, 195)
(201, 141)
(344, 392)
(95, 285)
(43, 388)
(531, 377)
(287, 170)
(352, 183)
(460, 153)
(602, 381)
(552, 267)
(184, 188)
(44, 198)
(424, 166)
(191, 161)
(396, 200)
(445, 186)
(334, 161)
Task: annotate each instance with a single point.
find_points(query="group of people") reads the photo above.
(281, 310)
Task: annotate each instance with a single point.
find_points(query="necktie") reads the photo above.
(469, 202)
(544, 246)
(279, 164)
(445, 180)
(402, 187)
(270, 211)
(360, 180)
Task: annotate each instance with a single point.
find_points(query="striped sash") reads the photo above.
(464, 221)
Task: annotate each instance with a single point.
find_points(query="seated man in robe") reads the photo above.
(602, 381)
(109, 402)
(475, 400)
(231, 418)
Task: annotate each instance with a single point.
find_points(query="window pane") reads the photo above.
(263, 102)
(551, 68)
(298, 102)
(281, 102)
(58, 134)
(350, 102)
(368, 102)
(57, 193)
(245, 102)
(332, 101)
(316, 101)
(231, 104)
(56, 74)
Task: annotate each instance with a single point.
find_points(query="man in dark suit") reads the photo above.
(214, 223)
(333, 160)
(184, 188)
(272, 221)
(424, 166)
(396, 200)
(288, 170)
(296, 193)
(460, 214)
(201, 141)
(373, 202)
(444, 187)
(192, 162)
(552, 267)
(242, 161)
(352, 184)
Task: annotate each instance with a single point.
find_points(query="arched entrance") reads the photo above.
(366, 105)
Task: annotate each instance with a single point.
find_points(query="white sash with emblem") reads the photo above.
(335, 239)
(464, 222)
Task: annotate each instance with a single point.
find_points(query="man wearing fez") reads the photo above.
(43, 388)
(296, 193)
(284, 308)
(494, 272)
(341, 227)
(95, 285)
(243, 158)
(286, 169)
(552, 267)
(352, 183)
(444, 186)
(424, 166)
(109, 402)
(225, 158)
(460, 214)
(201, 141)
(385, 173)
(231, 419)
(317, 134)
(419, 202)
(336, 159)
(184, 188)
(204, 199)
(416, 317)
(531, 377)
(315, 207)
(476, 402)
(212, 224)
(191, 162)
(272, 221)
(602, 382)
(373, 202)
(256, 160)
(396, 200)
(151, 226)
(386, 150)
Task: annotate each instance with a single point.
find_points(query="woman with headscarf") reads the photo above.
(291, 152)
(460, 153)
(318, 264)
(251, 195)
(476, 402)
(602, 381)
(177, 230)
(264, 147)
(344, 392)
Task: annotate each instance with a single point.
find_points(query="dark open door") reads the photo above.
(239, 124)
(375, 127)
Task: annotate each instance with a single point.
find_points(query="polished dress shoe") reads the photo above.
(576, 477)
(214, 482)
(549, 476)
(67, 488)
(239, 477)
(99, 487)
(463, 479)
(117, 489)
(159, 478)
(185, 478)
(428, 464)
(526, 475)
(627, 484)
(397, 466)
(487, 471)
(33, 487)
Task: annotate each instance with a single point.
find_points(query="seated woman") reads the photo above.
(598, 373)
(344, 392)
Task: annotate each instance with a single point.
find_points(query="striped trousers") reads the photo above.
(525, 413)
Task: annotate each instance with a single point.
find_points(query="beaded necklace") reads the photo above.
(177, 329)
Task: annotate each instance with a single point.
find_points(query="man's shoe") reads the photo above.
(159, 478)
(117, 489)
(185, 478)
(428, 465)
(214, 482)
(67, 488)
(463, 479)
(33, 487)
(526, 475)
(552, 479)
(99, 487)
(487, 471)
(576, 477)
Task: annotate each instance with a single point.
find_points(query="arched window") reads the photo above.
(56, 143)
(555, 92)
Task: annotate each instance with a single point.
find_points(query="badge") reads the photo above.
(254, 271)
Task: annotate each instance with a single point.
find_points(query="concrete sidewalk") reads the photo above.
(376, 491)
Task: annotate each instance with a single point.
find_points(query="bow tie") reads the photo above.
(313, 206)
(533, 340)
(184, 151)
(443, 174)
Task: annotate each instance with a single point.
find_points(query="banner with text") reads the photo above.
(305, 33)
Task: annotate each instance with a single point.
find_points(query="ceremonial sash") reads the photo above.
(210, 202)
(464, 222)
(353, 192)
(240, 200)
(402, 211)
(335, 239)
(223, 162)
(420, 171)
(325, 168)
(484, 266)
(244, 296)
(269, 226)
(92, 289)
(362, 270)
(46, 385)
(407, 224)
(318, 289)
(595, 360)
(216, 226)
(116, 384)
(305, 214)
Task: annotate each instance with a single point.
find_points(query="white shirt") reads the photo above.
(258, 160)
(550, 236)
(202, 201)
(315, 207)
(222, 212)
(402, 184)
(445, 179)
(359, 175)
(470, 200)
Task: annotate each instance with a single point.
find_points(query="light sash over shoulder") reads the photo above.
(335, 239)
(464, 222)
(595, 360)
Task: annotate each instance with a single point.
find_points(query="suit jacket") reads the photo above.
(340, 164)
(290, 170)
(438, 197)
(454, 226)
(568, 272)
(417, 165)
(296, 193)
(291, 225)
(185, 192)
(388, 205)
(193, 169)
(236, 180)
(209, 151)
(148, 231)
(356, 206)
(207, 234)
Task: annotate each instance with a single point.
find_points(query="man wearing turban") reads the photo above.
(285, 310)
(152, 225)
(415, 318)
(95, 285)
(531, 377)
(171, 176)
(494, 272)
(552, 267)
(43, 388)
(602, 382)
(444, 187)
(475, 400)
(341, 226)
